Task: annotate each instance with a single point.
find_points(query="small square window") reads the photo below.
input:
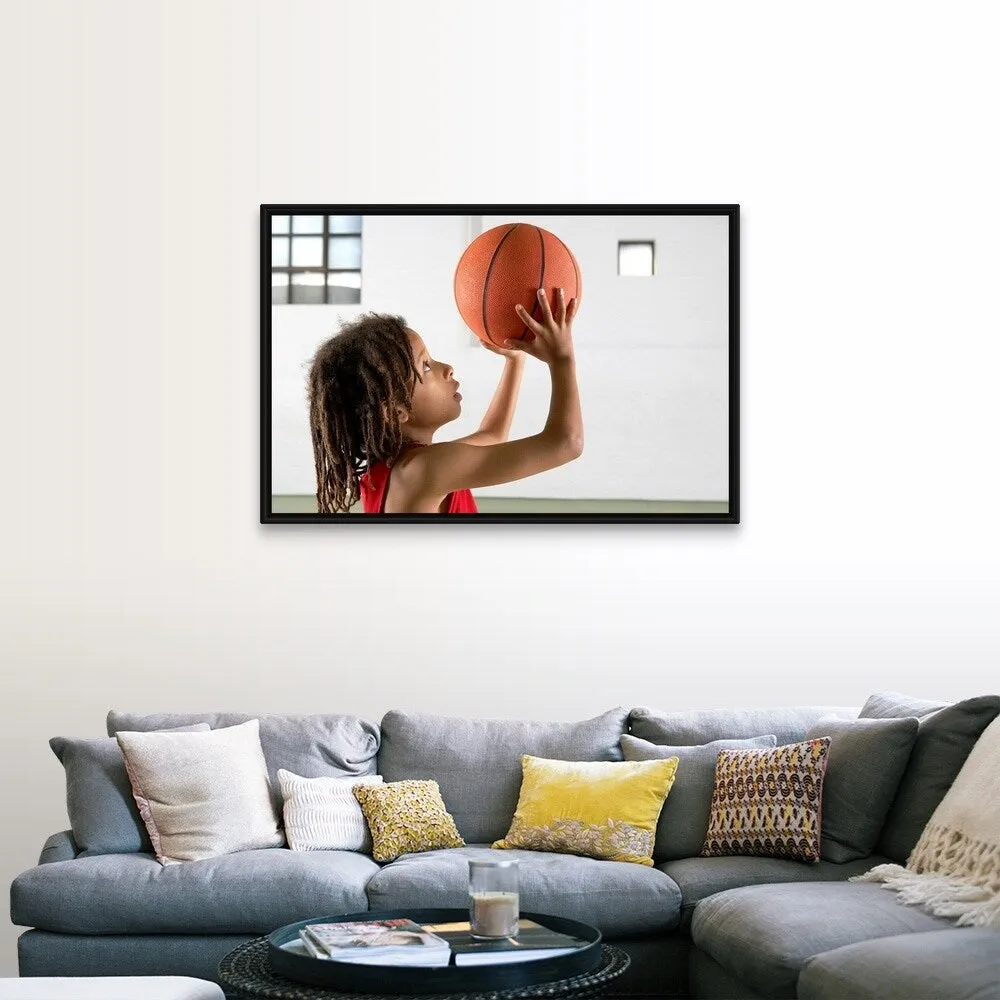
(343, 287)
(307, 223)
(307, 251)
(345, 223)
(635, 257)
(279, 288)
(307, 287)
(344, 251)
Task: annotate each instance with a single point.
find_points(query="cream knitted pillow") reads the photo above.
(322, 814)
(202, 794)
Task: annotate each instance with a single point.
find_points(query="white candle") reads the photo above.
(493, 914)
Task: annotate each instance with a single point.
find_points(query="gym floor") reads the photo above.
(291, 504)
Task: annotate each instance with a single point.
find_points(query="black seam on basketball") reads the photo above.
(541, 277)
(576, 269)
(486, 283)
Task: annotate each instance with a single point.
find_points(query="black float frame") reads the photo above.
(267, 516)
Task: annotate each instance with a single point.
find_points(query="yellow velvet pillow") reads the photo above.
(406, 817)
(600, 809)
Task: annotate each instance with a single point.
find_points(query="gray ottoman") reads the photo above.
(109, 988)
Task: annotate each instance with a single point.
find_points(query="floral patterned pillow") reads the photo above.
(406, 817)
(600, 809)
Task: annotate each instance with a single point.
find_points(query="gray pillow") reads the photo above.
(311, 746)
(865, 761)
(892, 705)
(944, 739)
(683, 822)
(477, 762)
(696, 728)
(102, 812)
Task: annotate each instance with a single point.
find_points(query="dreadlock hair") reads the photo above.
(357, 379)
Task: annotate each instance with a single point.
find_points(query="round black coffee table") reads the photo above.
(246, 974)
(286, 959)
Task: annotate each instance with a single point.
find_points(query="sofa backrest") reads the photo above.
(786, 724)
(312, 746)
(477, 762)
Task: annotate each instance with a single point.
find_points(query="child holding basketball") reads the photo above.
(377, 398)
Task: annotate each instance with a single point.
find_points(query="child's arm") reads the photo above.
(452, 465)
(495, 426)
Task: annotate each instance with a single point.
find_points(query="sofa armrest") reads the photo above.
(59, 847)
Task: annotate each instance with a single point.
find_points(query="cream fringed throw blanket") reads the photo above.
(954, 870)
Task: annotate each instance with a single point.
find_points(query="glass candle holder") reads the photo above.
(493, 898)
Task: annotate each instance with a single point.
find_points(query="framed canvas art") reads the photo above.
(506, 363)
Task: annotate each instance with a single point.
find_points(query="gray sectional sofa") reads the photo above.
(98, 903)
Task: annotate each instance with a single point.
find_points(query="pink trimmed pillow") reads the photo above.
(202, 794)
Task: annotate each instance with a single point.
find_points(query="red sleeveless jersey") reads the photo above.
(375, 486)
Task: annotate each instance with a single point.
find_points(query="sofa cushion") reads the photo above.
(762, 934)
(893, 705)
(866, 760)
(248, 892)
(945, 738)
(339, 746)
(58, 847)
(618, 897)
(960, 964)
(477, 762)
(102, 811)
(683, 821)
(788, 725)
(701, 877)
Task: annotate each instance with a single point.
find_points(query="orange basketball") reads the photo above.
(507, 265)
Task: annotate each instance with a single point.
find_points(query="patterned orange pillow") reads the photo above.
(767, 802)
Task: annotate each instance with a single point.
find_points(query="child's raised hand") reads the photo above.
(550, 340)
(501, 351)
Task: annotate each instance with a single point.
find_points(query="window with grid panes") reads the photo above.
(315, 259)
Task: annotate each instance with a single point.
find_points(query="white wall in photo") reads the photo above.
(652, 352)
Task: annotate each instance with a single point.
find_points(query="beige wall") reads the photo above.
(140, 139)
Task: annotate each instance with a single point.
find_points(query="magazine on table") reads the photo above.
(375, 942)
(532, 942)
(307, 943)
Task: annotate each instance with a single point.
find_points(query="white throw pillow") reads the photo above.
(202, 794)
(322, 814)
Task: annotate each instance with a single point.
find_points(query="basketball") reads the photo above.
(505, 266)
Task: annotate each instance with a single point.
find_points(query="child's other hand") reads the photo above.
(551, 339)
